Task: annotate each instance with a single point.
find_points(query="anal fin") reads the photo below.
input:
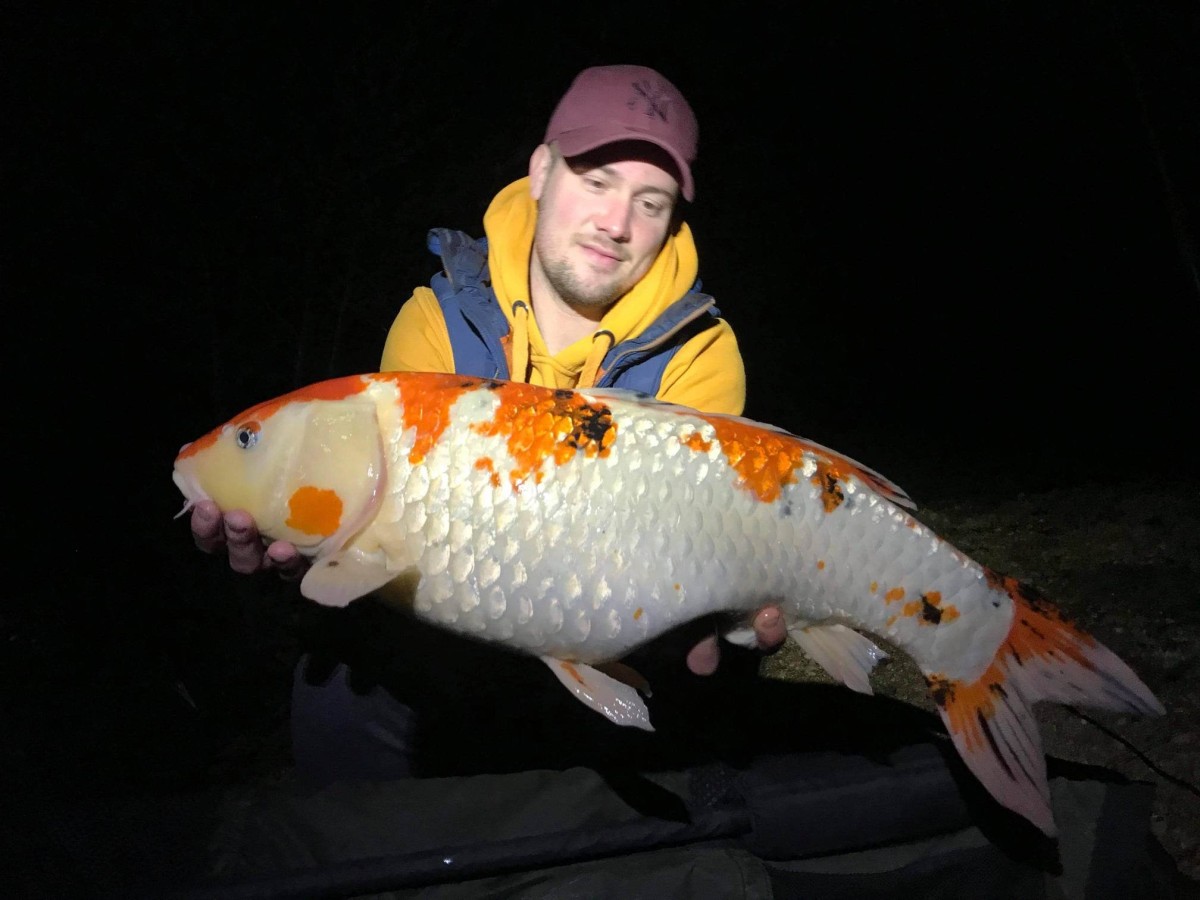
(842, 652)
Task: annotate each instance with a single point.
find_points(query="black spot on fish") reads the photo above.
(592, 423)
(941, 690)
(929, 612)
(834, 488)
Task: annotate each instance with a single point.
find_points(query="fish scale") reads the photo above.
(577, 526)
(626, 589)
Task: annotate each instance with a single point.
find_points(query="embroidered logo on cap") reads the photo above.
(658, 101)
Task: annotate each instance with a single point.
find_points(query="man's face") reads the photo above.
(602, 219)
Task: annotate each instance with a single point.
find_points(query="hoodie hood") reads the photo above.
(509, 224)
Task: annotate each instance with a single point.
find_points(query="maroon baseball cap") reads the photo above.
(606, 104)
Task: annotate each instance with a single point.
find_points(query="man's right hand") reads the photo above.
(237, 533)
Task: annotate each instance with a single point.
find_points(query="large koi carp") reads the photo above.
(578, 525)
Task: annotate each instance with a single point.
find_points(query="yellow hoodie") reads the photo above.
(706, 373)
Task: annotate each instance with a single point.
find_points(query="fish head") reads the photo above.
(309, 471)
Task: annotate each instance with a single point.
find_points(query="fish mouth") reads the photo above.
(191, 490)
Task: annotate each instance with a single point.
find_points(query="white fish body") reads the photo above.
(576, 526)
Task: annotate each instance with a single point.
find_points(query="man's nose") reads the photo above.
(614, 218)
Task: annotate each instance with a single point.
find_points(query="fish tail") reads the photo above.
(1044, 657)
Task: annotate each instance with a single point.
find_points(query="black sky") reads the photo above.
(956, 240)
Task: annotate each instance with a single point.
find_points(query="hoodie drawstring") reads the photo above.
(520, 342)
(602, 342)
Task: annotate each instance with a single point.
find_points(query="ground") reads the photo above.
(186, 686)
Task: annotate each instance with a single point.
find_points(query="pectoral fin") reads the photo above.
(342, 577)
(842, 652)
(616, 701)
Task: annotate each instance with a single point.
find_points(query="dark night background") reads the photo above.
(958, 242)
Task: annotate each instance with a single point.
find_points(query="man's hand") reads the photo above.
(237, 533)
(769, 628)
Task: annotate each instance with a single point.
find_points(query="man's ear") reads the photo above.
(540, 163)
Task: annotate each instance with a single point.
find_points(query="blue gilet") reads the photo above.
(476, 322)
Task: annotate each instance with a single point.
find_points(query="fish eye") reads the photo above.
(246, 435)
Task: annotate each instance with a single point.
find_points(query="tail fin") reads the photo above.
(1044, 657)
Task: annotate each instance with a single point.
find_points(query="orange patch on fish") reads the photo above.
(333, 389)
(314, 510)
(1039, 630)
(891, 595)
(767, 461)
(764, 460)
(695, 442)
(201, 443)
(638, 613)
(965, 704)
(555, 426)
(485, 463)
(426, 405)
(1048, 633)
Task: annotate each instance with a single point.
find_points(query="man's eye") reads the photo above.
(652, 209)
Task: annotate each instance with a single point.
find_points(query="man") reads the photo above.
(587, 277)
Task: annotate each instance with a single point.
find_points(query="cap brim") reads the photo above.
(582, 140)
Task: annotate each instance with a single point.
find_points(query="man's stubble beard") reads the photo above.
(566, 284)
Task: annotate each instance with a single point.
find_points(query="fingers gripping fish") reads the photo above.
(578, 525)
